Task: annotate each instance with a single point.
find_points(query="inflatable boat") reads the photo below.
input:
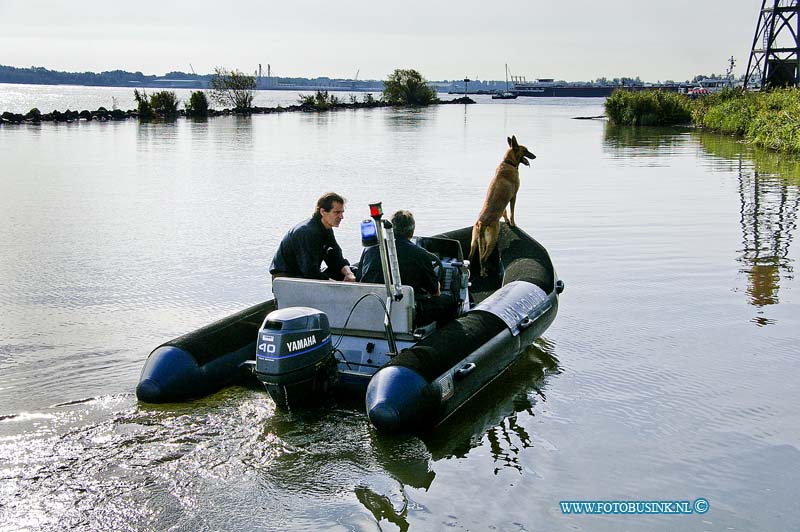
(316, 337)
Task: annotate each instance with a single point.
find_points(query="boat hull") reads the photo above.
(203, 361)
(565, 91)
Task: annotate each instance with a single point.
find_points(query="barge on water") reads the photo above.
(320, 337)
(549, 88)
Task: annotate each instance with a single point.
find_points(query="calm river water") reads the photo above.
(670, 373)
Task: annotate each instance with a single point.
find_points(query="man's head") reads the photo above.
(403, 224)
(330, 209)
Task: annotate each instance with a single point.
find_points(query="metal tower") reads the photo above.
(775, 55)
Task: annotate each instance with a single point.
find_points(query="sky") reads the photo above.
(573, 40)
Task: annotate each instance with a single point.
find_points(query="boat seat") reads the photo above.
(336, 299)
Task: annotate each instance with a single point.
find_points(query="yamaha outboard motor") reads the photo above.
(294, 357)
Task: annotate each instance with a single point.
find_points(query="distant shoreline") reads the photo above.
(185, 80)
(167, 86)
(171, 80)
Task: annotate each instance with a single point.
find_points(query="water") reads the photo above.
(47, 98)
(669, 373)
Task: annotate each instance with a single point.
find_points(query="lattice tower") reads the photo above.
(775, 55)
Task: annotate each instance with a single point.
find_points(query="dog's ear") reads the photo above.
(510, 144)
(514, 142)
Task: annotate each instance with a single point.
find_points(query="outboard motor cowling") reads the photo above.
(294, 357)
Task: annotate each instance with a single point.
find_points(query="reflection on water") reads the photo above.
(410, 118)
(493, 414)
(490, 417)
(625, 142)
(768, 219)
(765, 162)
(769, 197)
(382, 508)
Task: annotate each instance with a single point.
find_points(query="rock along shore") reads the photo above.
(34, 116)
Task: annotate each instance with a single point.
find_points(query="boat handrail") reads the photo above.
(337, 299)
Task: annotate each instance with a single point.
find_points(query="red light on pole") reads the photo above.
(376, 210)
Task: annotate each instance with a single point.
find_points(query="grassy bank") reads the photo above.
(767, 119)
(648, 108)
(770, 120)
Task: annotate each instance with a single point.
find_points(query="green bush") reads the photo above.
(407, 86)
(197, 104)
(648, 108)
(143, 105)
(319, 101)
(165, 104)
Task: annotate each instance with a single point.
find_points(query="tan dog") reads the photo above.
(502, 191)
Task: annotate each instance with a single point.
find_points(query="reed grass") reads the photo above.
(776, 125)
(767, 119)
(648, 108)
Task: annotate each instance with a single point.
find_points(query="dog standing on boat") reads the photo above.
(502, 192)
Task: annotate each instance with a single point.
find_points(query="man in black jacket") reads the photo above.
(303, 249)
(416, 270)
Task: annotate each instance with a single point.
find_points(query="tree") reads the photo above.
(197, 104)
(165, 104)
(232, 88)
(407, 86)
(143, 105)
(162, 103)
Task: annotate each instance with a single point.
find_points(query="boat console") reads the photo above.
(357, 315)
(369, 323)
(357, 308)
(453, 269)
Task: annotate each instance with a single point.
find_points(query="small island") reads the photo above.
(234, 90)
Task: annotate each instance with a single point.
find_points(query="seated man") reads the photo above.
(416, 271)
(303, 249)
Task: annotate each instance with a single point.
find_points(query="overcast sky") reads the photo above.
(572, 40)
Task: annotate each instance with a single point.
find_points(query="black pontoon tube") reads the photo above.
(203, 361)
(426, 383)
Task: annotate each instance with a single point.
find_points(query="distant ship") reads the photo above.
(547, 87)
